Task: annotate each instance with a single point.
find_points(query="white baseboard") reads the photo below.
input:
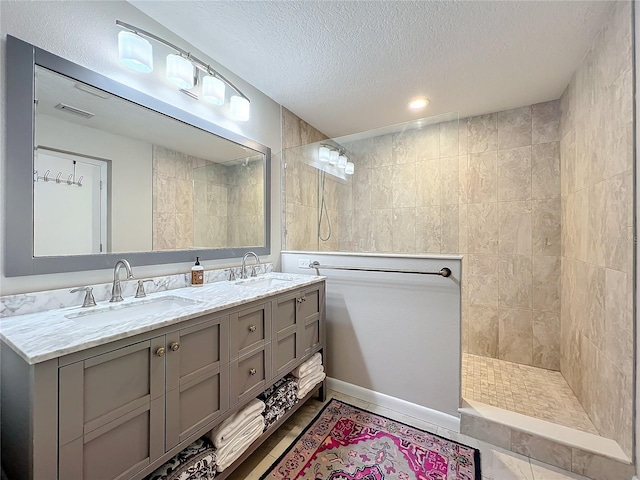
(425, 414)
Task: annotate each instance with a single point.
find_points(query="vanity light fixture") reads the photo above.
(183, 70)
(180, 71)
(333, 157)
(342, 160)
(350, 168)
(324, 153)
(135, 52)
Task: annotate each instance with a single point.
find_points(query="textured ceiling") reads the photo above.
(347, 66)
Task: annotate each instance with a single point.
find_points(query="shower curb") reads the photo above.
(563, 447)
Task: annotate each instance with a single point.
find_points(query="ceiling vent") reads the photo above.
(74, 110)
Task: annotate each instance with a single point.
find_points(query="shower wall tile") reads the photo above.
(449, 215)
(483, 133)
(403, 147)
(382, 231)
(463, 179)
(514, 219)
(427, 142)
(546, 283)
(546, 227)
(463, 136)
(428, 229)
(545, 122)
(596, 308)
(515, 277)
(404, 185)
(404, 230)
(362, 224)
(463, 229)
(514, 128)
(483, 330)
(514, 174)
(482, 221)
(546, 340)
(545, 170)
(483, 181)
(428, 183)
(515, 336)
(362, 189)
(482, 279)
(382, 186)
(449, 139)
(449, 187)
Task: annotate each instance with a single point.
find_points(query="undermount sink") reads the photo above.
(109, 314)
(265, 281)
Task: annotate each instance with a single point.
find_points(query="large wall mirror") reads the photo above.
(97, 171)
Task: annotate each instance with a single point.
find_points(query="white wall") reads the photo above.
(131, 177)
(85, 33)
(396, 334)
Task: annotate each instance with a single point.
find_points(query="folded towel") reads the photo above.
(303, 382)
(279, 399)
(301, 370)
(231, 425)
(232, 451)
(311, 371)
(310, 384)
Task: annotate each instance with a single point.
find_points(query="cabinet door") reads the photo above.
(250, 374)
(286, 342)
(111, 407)
(250, 328)
(197, 378)
(310, 306)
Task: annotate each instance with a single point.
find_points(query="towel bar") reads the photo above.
(444, 272)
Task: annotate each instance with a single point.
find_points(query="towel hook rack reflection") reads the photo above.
(443, 272)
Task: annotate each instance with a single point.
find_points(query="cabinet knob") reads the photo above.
(252, 328)
(160, 352)
(174, 346)
(252, 371)
(299, 300)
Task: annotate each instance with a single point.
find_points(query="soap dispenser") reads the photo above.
(197, 274)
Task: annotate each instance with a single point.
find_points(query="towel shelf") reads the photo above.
(444, 272)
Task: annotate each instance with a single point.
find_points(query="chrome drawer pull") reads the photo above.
(160, 352)
(252, 371)
(174, 346)
(252, 328)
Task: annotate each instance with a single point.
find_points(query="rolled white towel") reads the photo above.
(302, 369)
(232, 425)
(232, 451)
(310, 383)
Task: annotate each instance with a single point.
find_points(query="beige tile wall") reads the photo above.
(597, 219)
(487, 187)
(197, 203)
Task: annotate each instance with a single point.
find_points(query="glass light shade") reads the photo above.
(213, 90)
(333, 157)
(349, 169)
(180, 71)
(342, 161)
(239, 108)
(135, 52)
(323, 154)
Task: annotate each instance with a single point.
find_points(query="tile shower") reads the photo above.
(538, 200)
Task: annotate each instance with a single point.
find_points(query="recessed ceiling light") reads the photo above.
(418, 103)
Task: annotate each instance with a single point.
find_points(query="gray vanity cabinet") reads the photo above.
(197, 366)
(297, 330)
(111, 412)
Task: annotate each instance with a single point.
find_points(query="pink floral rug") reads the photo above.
(347, 443)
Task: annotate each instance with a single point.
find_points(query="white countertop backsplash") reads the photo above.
(43, 334)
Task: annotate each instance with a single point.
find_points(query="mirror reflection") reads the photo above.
(111, 176)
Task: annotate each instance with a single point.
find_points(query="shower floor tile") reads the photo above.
(531, 391)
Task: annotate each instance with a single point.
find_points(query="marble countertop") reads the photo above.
(45, 335)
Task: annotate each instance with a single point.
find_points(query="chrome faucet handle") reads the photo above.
(232, 275)
(88, 301)
(254, 271)
(140, 293)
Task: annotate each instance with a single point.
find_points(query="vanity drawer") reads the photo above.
(250, 329)
(250, 374)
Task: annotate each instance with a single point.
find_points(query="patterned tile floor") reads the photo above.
(497, 464)
(531, 391)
